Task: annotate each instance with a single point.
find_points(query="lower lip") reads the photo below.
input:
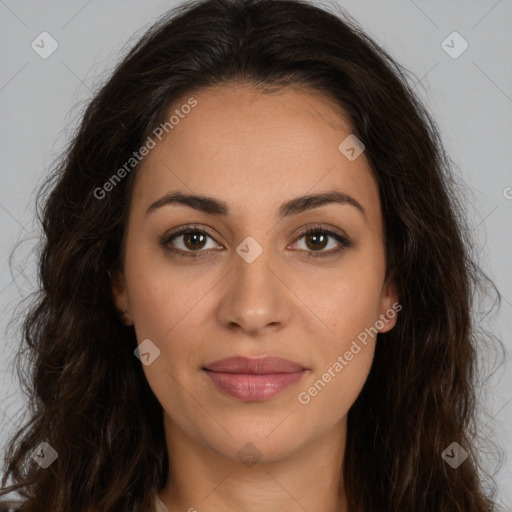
(251, 387)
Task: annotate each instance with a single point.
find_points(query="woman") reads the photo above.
(256, 283)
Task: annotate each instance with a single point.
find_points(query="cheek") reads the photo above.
(342, 367)
(161, 297)
(350, 308)
(326, 399)
(346, 301)
(166, 308)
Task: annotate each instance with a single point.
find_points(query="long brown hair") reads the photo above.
(89, 398)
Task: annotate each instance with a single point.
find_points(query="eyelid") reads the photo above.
(182, 230)
(343, 240)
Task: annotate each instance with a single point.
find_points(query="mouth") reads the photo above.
(254, 379)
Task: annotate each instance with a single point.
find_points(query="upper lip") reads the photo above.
(259, 366)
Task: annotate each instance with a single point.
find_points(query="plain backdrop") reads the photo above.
(469, 95)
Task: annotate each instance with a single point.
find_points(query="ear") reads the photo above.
(120, 295)
(389, 305)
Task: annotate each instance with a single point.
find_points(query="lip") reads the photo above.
(254, 379)
(257, 366)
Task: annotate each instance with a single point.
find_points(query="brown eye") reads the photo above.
(317, 239)
(189, 242)
(194, 240)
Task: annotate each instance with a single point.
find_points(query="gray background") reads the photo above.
(470, 98)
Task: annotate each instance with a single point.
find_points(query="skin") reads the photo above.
(255, 151)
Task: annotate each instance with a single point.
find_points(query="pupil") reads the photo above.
(315, 237)
(196, 239)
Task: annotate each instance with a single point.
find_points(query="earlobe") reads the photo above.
(389, 305)
(120, 295)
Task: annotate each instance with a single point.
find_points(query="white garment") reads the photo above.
(160, 507)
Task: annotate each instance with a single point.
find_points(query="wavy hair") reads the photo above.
(89, 398)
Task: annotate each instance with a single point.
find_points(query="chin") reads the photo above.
(256, 447)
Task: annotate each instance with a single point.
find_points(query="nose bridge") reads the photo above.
(252, 270)
(255, 296)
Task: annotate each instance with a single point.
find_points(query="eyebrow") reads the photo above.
(213, 206)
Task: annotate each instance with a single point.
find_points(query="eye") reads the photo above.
(317, 238)
(192, 241)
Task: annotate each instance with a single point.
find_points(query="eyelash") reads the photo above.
(344, 241)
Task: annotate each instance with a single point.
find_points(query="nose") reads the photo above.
(255, 299)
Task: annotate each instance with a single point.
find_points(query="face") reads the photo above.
(237, 276)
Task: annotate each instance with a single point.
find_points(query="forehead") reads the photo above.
(254, 150)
